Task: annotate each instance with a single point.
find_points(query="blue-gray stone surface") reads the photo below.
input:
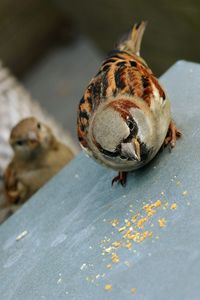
(68, 222)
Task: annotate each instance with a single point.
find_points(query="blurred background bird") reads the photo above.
(17, 104)
(38, 155)
(124, 116)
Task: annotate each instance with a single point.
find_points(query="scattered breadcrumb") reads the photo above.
(114, 222)
(133, 290)
(108, 250)
(108, 287)
(140, 223)
(21, 235)
(150, 208)
(116, 244)
(134, 229)
(128, 246)
(122, 228)
(173, 206)
(115, 258)
(157, 203)
(128, 223)
(162, 222)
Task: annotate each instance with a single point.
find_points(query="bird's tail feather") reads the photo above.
(132, 43)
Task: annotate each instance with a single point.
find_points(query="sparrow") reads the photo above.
(124, 116)
(37, 157)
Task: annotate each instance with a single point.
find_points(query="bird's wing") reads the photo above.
(122, 73)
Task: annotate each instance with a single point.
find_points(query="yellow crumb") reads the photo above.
(149, 208)
(127, 233)
(133, 290)
(131, 236)
(141, 222)
(108, 287)
(157, 203)
(108, 250)
(115, 258)
(122, 228)
(116, 244)
(128, 224)
(114, 222)
(134, 218)
(151, 213)
(140, 237)
(162, 193)
(162, 222)
(173, 206)
(128, 246)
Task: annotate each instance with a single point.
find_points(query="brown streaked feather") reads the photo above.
(135, 83)
(122, 106)
(111, 88)
(121, 73)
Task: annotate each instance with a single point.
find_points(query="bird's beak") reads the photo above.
(136, 146)
(33, 138)
(131, 150)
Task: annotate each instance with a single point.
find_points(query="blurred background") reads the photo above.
(55, 46)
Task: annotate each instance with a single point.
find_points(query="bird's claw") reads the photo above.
(172, 135)
(120, 178)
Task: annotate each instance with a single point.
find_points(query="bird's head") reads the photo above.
(29, 137)
(121, 132)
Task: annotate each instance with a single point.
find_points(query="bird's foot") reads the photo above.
(120, 178)
(172, 135)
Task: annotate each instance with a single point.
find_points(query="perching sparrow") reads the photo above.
(37, 157)
(124, 116)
